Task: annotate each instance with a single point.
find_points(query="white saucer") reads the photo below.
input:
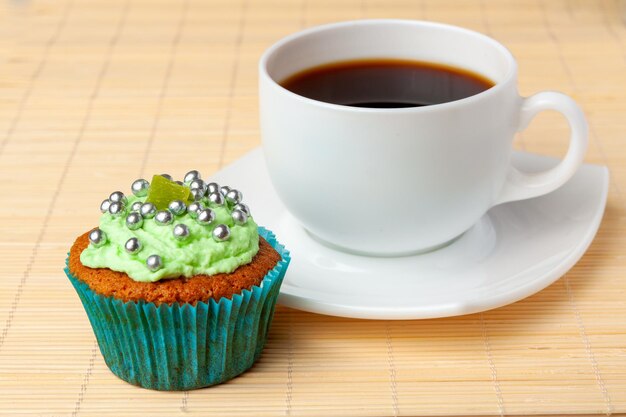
(515, 250)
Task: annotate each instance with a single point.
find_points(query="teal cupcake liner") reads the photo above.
(182, 346)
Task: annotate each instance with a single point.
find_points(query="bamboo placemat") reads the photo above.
(94, 93)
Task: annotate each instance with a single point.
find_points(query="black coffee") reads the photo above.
(386, 83)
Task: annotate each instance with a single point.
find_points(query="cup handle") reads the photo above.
(521, 185)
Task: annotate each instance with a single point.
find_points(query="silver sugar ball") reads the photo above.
(140, 187)
(239, 217)
(177, 207)
(97, 237)
(116, 209)
(179, 182)
(167, 176)
(216, 198)
(234, 196)
(197, 193)
(213, 187)
(163, 217)
(133, 245)
(194, 208)
(242, 207)
(134, 220)
(206, 216)
(224, 190)
(154, 263)
(181, 231)
(104, 206)
(136, 206)
(197, 183)
(118, 197)
(191, 175)
(148, 210)
(221, 233)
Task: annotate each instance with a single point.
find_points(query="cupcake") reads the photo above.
(179, 283)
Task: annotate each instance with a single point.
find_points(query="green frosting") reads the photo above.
(198, 254)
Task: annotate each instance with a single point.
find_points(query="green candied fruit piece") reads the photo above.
(163, 191)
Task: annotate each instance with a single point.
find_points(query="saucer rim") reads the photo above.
(289, 294)
(458, 309)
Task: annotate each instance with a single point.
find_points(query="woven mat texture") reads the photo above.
(94, 93)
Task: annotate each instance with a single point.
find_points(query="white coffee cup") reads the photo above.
(391, 182)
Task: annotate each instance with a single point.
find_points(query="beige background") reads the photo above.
(94, 93)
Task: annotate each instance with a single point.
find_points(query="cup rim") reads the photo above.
(274, 48)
